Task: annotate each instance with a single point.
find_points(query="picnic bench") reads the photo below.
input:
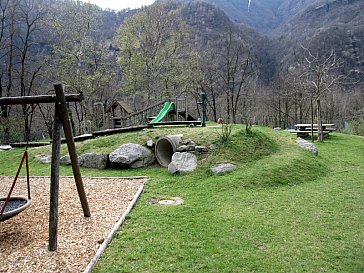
(305, 129)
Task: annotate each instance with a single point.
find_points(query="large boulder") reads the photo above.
(307, 145)
(131, 155)
(93, 160)
(223, 168)
(182, 163)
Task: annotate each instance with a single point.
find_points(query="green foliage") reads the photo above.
(80, 58)
(11, 131)
(356, 127)
(224, 135)
(154, 58)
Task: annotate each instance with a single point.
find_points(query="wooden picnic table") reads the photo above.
(305, 129)
(307, 126)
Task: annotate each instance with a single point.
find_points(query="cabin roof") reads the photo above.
(120, 103)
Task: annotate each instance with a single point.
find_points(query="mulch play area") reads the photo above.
(24, 238)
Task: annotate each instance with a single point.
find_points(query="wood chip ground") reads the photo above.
(24, 238)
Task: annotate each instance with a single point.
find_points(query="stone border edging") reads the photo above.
(116, 227)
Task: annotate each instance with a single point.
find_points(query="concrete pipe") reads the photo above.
(166, 147)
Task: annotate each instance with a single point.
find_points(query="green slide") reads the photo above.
(168, 107)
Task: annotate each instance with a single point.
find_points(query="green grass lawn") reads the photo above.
(282, 210)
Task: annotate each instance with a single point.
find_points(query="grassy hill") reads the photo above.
(283, 209)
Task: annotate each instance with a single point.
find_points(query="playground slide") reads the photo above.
(168, 107)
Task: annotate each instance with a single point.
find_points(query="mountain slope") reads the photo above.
(334, 25)
(211, 26)
(263, 15)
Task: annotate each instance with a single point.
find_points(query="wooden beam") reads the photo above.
(38, 99)
(29, 144)
(61, 103)
(120, 130)
(54, 187)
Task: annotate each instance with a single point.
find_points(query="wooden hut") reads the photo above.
(116, 111)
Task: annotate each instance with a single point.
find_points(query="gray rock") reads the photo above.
(5, 148)
(150, 143)
(65, 160)
(201, 149)
(307, 145)
(186, 148)
(223, 168)
(93, 160)
(277, 129)
(44, 158)
(182, 163)
(188, 141)
(212, 147)
(131, 155)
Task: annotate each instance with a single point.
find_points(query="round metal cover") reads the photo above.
(174, 201)
(166, 202)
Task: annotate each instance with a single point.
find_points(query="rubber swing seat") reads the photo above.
(16, 205)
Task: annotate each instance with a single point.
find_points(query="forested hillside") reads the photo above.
(337, 25)
(257, 64)
(266, 16)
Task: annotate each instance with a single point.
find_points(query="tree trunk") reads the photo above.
(47, 121)
(214, 110)
(312, 112)
(228, 107)
(286, 116)
(279, 112)
(319, 121)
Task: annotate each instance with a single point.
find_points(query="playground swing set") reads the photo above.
(11, 205)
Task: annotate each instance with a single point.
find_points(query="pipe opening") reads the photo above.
(165, 148)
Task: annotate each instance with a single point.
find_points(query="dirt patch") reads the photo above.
(24, 238)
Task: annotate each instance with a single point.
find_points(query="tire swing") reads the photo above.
(13, 205)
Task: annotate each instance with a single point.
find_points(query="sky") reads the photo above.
(120, 4)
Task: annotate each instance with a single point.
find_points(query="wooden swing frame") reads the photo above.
(61, 119)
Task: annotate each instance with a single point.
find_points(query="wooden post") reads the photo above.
(54, 187)
(203, 99)
(186, 108)
(61, 101)
(176, 105)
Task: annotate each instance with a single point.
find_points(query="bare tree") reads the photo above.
(236, 68)
(209, 83)
(7, 48)
(320, 75)
(29, 64)
(81, 59)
